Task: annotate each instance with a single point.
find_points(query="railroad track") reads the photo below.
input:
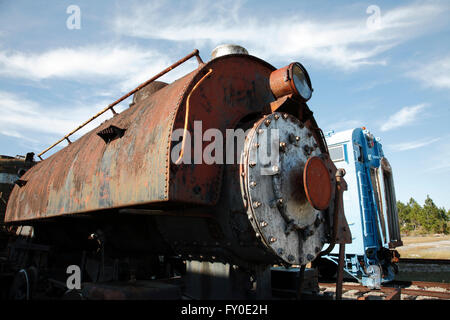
(396, 290)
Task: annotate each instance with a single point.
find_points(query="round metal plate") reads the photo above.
(317, 183)
(279, 211)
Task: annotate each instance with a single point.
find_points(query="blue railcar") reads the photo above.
(370, 208)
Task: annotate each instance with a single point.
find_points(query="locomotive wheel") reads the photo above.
(327, 269)
(20, 288)
(22, 284)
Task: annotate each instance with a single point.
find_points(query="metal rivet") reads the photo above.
(280, 201)
(252, 164)
(272, 239)
(263, 224)
(282, 146)
(253, 184)
(297, 138)
(256, 145)
(275, 169)
(260, 131)
(276, 116)
(267, 122)
(256, 204)
(285, 115)
(243, 174)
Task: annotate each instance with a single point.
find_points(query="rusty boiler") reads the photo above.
(122, 178)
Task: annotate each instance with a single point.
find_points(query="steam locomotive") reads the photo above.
(136, 206)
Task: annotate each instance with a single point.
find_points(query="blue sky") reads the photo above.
(389, 71)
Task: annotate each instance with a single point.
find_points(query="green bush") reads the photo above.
(429, 219)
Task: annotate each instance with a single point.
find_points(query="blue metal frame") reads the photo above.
(362, 203)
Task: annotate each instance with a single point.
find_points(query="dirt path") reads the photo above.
(430, 247)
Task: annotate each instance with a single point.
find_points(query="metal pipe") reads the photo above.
(194, 53)
(340, 271)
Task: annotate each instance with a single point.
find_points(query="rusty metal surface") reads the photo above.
(11, 168)
(237, 87)
(194, 53)
(341, 230)
(340, 271)
(147, 91)
(317, 183)
(280, 83)
(90, 175)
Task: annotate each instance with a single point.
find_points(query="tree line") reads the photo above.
(426, 219)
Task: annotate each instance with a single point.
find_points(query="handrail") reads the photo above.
(186, 117)
(194, 53)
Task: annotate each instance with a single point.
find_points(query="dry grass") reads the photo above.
(425, 247)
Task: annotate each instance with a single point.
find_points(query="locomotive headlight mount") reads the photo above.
(292, 79)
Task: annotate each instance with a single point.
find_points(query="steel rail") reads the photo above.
(391, 290)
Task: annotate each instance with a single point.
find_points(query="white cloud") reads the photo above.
(434, 74)
(404, 146)
(440, 161)
(25, 119)
(345, 42)
(405, 116)
(128, 65)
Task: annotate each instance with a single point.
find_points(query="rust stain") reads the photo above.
(135, 169)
